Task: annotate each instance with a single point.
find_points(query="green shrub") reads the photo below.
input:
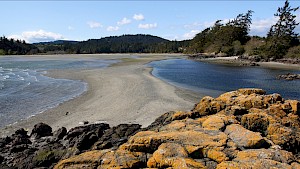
(293, 52)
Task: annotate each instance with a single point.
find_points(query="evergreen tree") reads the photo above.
(281, 35)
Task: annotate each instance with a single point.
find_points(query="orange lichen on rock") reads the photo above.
(239, 129)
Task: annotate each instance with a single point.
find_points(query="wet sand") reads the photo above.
(125, 92)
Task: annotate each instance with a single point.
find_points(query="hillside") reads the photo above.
(114, 44)
(239, 129)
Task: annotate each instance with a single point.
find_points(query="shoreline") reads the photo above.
(124, 88)
(233, 60)
(124, 92)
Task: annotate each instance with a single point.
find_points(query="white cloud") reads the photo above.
(138, 17)
(190, 34)
(38, 36)
(112, 28)
(93, 24)
(124, 21)
(15, 37)
(262, 26)
(147, 26)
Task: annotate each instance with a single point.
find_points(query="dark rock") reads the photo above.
(4, 166)
(46, 158)
(85, 141)
(116, 136)
(21, 132)
(20, 140)
(18, 148)
(161, 121)
(85, 136)
(41, 130)
(249, 64)
(60, 133)
(5, 141)
(1, 159)
(289, 76)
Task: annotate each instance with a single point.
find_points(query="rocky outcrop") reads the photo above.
(44, 148)
(289, 76)
(245, 128)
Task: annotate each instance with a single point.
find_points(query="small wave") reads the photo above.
(4, 77)
(11, 73)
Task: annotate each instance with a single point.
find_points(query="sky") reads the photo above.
(41, 21)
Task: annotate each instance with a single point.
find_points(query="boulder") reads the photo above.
(41, 130)
(218, 121)
(264, 163)
(116, 136)
(104, 159)
(249, 91)
(60, 133)
(207, 106)
(281, 156)
(258, 121)
(149, 141)
(170, 155)
(244, 138)
(295, 106)
(80, 135)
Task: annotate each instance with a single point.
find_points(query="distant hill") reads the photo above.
(57, 42)
(139, 43)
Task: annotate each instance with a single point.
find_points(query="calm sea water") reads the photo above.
(215, 79)
(26, 91)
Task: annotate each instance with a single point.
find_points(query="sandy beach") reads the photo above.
(125, 92)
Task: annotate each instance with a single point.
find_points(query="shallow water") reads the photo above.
(26, 91)
(215, 79)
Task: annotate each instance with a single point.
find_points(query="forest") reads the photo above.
(222, 39)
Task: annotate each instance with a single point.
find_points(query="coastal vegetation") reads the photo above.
(16, 47)
(223, 39)
(232, 38)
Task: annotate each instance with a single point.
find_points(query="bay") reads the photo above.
(215, 79)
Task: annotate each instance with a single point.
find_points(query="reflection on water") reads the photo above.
(215, 79)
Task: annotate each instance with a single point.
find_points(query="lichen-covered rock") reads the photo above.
(243, 137)
(258, 121)
(255, 164)
(172, 155)
(207, 106)
(218, 121)
(249, 91)
(256, 154)
(239, 129)
(104, 159)
(260, 158)
(89, 159)
(295, 105)
(149, 141)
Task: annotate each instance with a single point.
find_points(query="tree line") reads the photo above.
(232, 38)
(16, 47)
(224, 39)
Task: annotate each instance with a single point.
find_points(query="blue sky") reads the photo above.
(36, 21)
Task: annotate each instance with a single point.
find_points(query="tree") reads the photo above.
(242, 24)
(281, 35)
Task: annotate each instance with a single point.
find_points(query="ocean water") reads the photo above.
(25, 90)
(215, 79)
